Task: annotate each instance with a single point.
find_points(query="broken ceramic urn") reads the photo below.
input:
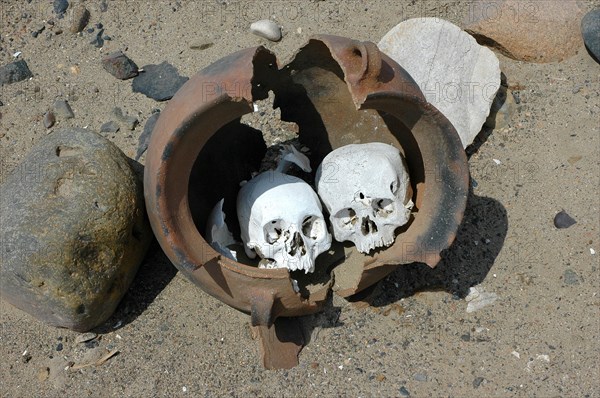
(339, 92)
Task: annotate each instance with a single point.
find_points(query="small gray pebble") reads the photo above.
(109, 127)
(60, 6)
(517, 97)
(404, 392)
(79, 19)
(82, 338)
(39, 29)
(146, 134)
(119, 65)
(420, 377)
(129, 122)
(477, 381)
(571, 277)
(563, 220)
(98, 41)
(49, 119)
(62, 108)
(92, 344)
(202, 46)
(14, 72)
(159, 82)
(267, 29)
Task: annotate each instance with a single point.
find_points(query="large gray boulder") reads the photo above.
(73, 230)
(590, 29)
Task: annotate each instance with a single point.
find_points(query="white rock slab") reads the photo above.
(456, 75)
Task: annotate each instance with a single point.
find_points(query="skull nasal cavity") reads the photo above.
(297, 244)
(368, 226)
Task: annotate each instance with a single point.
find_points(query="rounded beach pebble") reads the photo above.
(267, 29)
(563, 220)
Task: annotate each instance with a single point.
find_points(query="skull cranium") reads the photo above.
(365, 188)
(281, 220)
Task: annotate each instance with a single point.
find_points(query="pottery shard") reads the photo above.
(457, 76)
(73, 230)
(534, 31)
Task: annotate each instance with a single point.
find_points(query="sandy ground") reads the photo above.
(540, 338)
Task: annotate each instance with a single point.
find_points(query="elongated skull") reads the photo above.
(365, 188)
(281, 220)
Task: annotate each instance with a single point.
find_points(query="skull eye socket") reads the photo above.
(383, 207)
(273, 231)
(394, 186)
(346, 218)
(313, 227)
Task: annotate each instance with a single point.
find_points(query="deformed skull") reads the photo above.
(281, 220)
(365, 188)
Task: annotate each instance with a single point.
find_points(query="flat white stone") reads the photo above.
(478, 298)
(267, 29)
(457, 76)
